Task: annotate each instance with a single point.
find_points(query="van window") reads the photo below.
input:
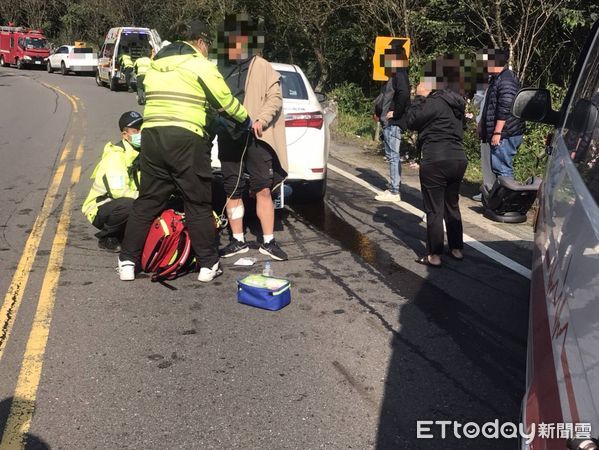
(108, 51)
(135, 44)
(581, 128)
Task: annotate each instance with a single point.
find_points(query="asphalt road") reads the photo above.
(371, 343)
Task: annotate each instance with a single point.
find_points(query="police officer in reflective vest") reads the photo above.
(115, 184)
(180, 86)
(140, 67)
(126, 66)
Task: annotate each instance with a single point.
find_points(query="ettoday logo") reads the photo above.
(443, 429)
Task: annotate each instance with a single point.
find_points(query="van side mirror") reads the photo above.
(534, 105)
(320, 97)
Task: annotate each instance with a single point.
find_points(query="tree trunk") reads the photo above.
(322, 66)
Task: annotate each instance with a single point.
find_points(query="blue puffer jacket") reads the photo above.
(498, 106)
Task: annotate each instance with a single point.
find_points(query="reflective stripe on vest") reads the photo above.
(179, 90)
(176, 97)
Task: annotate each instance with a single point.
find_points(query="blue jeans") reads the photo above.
(392, 140)
(502, 156)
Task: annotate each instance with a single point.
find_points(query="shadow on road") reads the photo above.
(32, 442)
(460, 359)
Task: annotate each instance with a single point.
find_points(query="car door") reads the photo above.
(57, 57)
(53, 58)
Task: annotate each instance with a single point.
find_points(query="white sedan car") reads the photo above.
(69, 58)
(307, 133)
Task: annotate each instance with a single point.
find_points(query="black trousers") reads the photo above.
(112, 217)
(128, 73)
(440, 183)
(141, 93)
(173, 159)
(260, 161)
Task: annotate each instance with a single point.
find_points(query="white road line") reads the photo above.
(482, 248)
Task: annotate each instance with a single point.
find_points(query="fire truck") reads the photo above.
(23, 47)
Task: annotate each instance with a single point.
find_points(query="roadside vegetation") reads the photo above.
(333, 41)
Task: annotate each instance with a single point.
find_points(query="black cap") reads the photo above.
(131, 119)
(198, 29)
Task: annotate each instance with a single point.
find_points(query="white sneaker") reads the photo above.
(208, 274)
(387, 196)
(126, 270)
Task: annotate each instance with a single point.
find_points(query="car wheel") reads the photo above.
(63, 68)
(114, 85)
(49, 67)
(20, 64)
(2, 62)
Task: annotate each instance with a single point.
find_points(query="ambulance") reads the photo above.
(561, 404)
(135, 41)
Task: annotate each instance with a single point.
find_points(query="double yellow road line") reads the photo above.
(23, 403)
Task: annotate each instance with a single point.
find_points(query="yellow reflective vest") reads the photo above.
(125, 61)
(115, 176)
(181, 85)
(142, 65)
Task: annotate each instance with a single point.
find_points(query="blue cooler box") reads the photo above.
(264, 292)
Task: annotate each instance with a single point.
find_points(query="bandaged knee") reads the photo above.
(236, 212)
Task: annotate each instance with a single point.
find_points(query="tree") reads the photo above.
(514, 24)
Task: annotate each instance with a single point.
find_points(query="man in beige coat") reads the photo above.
(263, 151)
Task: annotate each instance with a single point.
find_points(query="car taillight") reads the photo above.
(310, 120)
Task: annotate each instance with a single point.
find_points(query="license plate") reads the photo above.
(38, 62)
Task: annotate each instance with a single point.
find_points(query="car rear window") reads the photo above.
(293, 86)
(83, 50)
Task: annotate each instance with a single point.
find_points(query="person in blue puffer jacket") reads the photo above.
(498, 127)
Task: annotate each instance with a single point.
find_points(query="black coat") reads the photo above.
(439, 121)
(395, 96)
(498, 106)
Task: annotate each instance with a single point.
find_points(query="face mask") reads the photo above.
(135, 140)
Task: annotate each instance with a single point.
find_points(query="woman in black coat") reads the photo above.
(439, 120)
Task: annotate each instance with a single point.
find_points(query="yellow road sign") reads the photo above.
(389, 52)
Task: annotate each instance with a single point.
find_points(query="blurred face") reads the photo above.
(426, 85)
(238, 48)
(395, 62)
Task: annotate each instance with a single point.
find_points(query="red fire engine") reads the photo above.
(23, 47)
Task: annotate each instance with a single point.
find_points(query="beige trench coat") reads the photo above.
(264, 102)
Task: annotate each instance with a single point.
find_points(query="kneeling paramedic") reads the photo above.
(115, 184)
(180, 85)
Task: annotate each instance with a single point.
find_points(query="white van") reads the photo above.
(138, 41)
(563, 351)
